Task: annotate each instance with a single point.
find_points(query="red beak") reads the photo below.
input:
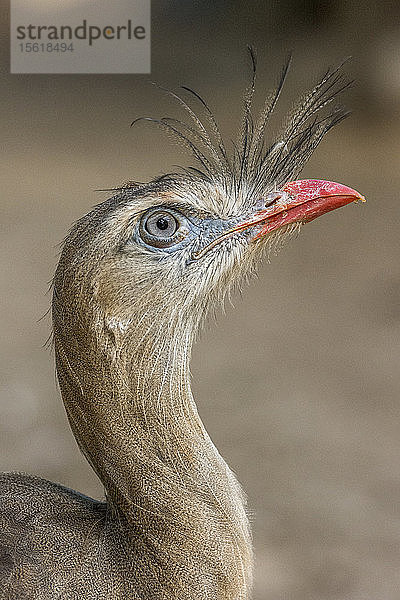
(302, 201)
(298, 202)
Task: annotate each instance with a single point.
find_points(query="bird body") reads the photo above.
(136, 278)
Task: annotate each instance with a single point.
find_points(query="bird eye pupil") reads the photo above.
(162, 223)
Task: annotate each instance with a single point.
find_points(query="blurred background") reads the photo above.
(298, 385)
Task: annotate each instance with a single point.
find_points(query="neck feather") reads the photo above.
(127, 394)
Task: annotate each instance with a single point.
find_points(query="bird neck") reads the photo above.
(132, 412)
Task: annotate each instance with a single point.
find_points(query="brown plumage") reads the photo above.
(136, 278)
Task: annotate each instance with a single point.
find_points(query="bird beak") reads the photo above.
(297, 202)
(300, 202)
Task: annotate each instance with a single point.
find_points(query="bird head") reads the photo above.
(159, 254)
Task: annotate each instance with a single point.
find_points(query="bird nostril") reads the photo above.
(275, 198)
(271, 198)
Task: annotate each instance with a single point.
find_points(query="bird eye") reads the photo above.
(161, 224)
(162, 228)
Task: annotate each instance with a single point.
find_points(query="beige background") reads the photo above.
(299, 384)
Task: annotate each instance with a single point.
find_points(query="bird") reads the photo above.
(136, 279)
